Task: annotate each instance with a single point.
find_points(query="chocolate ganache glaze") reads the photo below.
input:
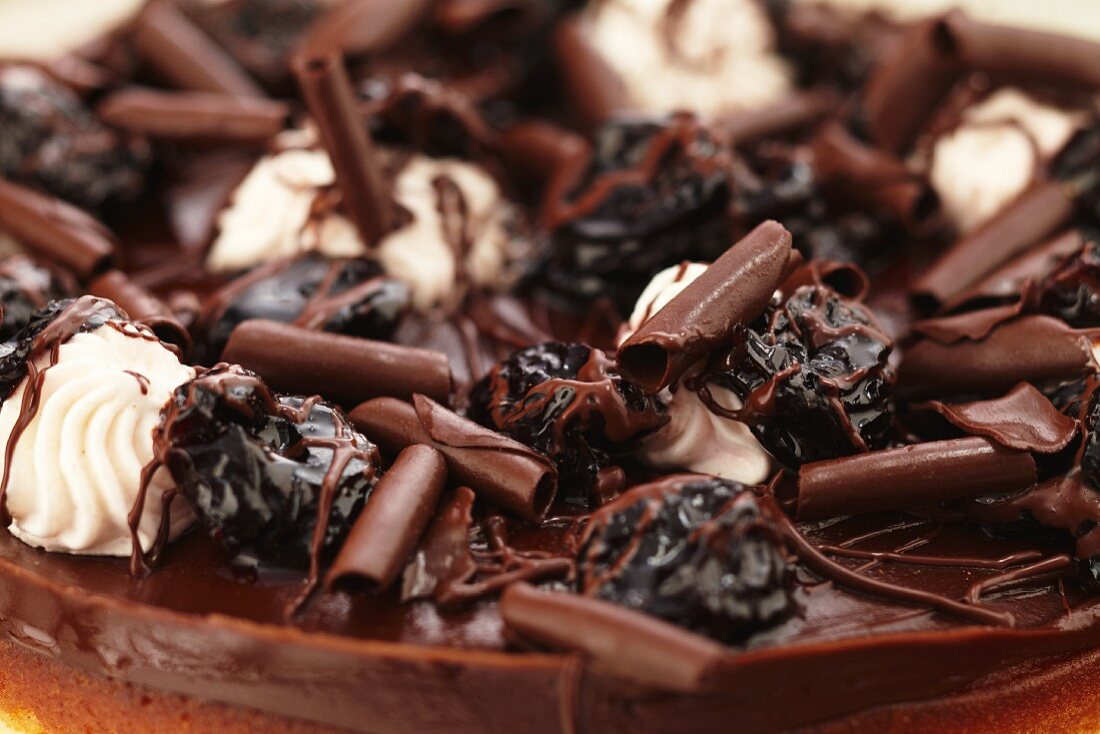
(341, 425)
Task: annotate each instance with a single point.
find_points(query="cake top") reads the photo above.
(741, 332)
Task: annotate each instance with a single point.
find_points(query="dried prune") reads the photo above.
(567, 402)
(255, 465)
(814, 376)
(1072, 291)
(343, 296)
(50, 139)
(654, 193)
(701, 555)
(26, 286)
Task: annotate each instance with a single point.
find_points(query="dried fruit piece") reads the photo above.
(1072, 291)
(49, 138)
(813, 375)
(26, 286)
(566, 401)
(257, 466)
(698, 553)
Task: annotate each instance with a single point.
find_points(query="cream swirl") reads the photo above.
(76, 467)
(707, 56)
(274, 213)
(695, 438)
(49, 29)
(992, 156)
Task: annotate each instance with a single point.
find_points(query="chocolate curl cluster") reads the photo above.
(205, 116)
(1022, 54)
(598, 94)
(331, 101)
(872, 179)
(390, 525)
(142, 306)
(501, 470)
(921, 475)
(734, 290)
(179, 51)
(909, 85)
(1037, 213)
(56, 231)
(1026, 349)
(347, 369)
(620, 641)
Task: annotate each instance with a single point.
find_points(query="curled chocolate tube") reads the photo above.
(1037, 213)
(207, 116)
(502, 471)
(597, 92)
(390, 525)
(1025, 349)
(55, 230)
(792, 113)
(142, 306)
(347, 369)
(181, 52)
(871, 178)
(621, 641)
(733, 290)
(921, 475)
(331, 101)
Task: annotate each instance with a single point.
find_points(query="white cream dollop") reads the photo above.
(76, 468)
(719, 57)
(273, 214)
(992, 156)
(696, 438)
(43, 30)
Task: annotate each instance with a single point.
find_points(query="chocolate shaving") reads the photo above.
(1022, 55)
(501, 470)
(1037, 213)
(204, 116)
(364, 26)
(971, 325)
(793, 113)
(347, 369)
(598, 94)
(847, 279)
(870, 178)
(620, 641)
(1027, 349)
(55, 230)
(908, 85)
(922, 475)
(444, 553)
(733, 290)
(1024, 419)
(331, 101)
(395, 516)
(543, 153)
(178, 50)
(142, 306)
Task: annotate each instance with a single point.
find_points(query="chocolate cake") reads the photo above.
(464, 366)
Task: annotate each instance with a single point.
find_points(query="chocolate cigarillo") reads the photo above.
(206, 116)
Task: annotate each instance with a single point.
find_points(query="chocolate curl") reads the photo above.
(911, 476)
(1037, 213)
(620, 641)
(597, 92)
(847, 279)
(55, 230)
(909, 85)
(142, 306)
(1022, 54)
(391, 523)
(1006, 282)
(331, 101)
(538, 150)
(357, 27)
(795, 112)
(182, 53)
(733, 290)
(872, 179)
(206, 116)
(345, 368)
(1024, 419)
(1028, 349)
(501, 470)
